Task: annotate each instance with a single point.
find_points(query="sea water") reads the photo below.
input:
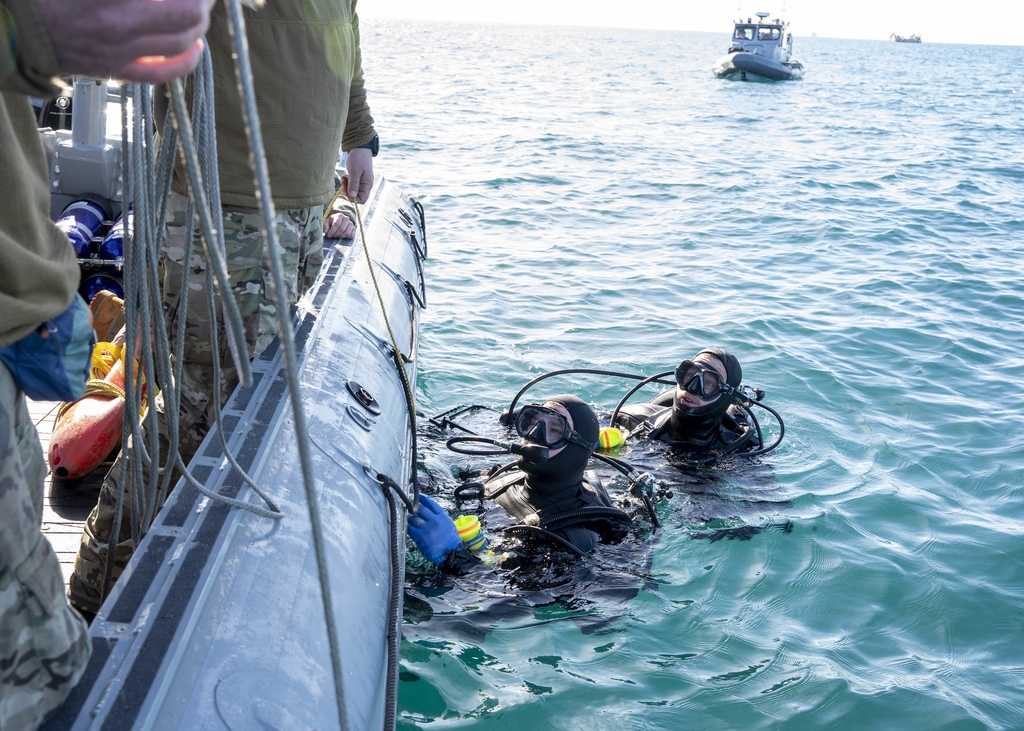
(596, 198)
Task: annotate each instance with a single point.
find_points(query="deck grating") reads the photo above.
(66, 503)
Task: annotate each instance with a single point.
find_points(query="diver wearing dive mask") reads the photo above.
(549, 426)
(540, 490)
(699, 413)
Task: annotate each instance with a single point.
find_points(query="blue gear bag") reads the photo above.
(55, 368)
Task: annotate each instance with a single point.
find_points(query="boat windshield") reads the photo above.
(744, 32)
(769, 33)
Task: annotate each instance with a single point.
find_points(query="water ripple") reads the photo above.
(595, 198)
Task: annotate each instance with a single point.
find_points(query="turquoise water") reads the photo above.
(596, 198)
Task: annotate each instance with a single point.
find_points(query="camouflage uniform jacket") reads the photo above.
(44, 647)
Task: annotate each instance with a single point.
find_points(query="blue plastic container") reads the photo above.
(80, 222)
(92, 285)
(113, 245)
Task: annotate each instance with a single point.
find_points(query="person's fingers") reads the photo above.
(129, 20)
(138, 40)
(339, 226)
(359, 188)
(157, 69)
(354, 186)
(428, 506)
(359, 167)
(158, 44)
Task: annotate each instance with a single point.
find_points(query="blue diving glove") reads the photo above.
(433, 531)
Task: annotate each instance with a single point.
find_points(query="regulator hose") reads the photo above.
(521, 528)
(506, 418)
(637, 387)
(584, 515)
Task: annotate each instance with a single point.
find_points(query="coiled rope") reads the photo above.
(146, 185)
(94, 387)
(147, 181)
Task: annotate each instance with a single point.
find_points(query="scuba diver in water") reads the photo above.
(707, 413)
(547, 489)
(702, 413)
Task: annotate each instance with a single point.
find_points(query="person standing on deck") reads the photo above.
(311, 99)
(44, 647)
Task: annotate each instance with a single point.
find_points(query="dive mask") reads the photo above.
(704, 383)
(546, 426)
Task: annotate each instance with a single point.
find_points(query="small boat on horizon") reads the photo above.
(760, 50)
(900, 39)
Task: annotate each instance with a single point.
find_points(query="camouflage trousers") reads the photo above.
(300, 235)
(43, 642)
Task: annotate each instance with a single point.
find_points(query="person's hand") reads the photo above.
(339, 226)
(359, 180)
(433, 531)
(137, 40)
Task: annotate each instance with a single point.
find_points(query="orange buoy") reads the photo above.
(89, 430)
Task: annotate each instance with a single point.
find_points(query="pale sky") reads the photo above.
(936, 21)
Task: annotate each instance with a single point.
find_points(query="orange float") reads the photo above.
(89, 429)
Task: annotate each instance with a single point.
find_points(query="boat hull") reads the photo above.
(750, 66)
(218, 620)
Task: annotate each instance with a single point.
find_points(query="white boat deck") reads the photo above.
(66, 503)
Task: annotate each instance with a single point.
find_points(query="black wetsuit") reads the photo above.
(521, 502)
(654, 420)
(543, 495)
(509, 490)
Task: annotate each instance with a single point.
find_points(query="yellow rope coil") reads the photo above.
(95, 387)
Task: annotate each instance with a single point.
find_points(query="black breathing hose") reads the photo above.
(584, 515)
(394, 635)
(506, 418)
(637, 387)
(520, 528)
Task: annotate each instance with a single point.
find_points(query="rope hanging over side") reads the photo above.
(396, 351)
(147, 182)
(250, 118)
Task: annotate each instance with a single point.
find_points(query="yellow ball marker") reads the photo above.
(609, 438)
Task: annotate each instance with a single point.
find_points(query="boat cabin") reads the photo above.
(769, 39)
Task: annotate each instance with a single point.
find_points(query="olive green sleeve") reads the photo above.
(359, 124)
(28, 62)
(38, 269)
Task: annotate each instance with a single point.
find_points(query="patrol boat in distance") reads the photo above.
(760, 51)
